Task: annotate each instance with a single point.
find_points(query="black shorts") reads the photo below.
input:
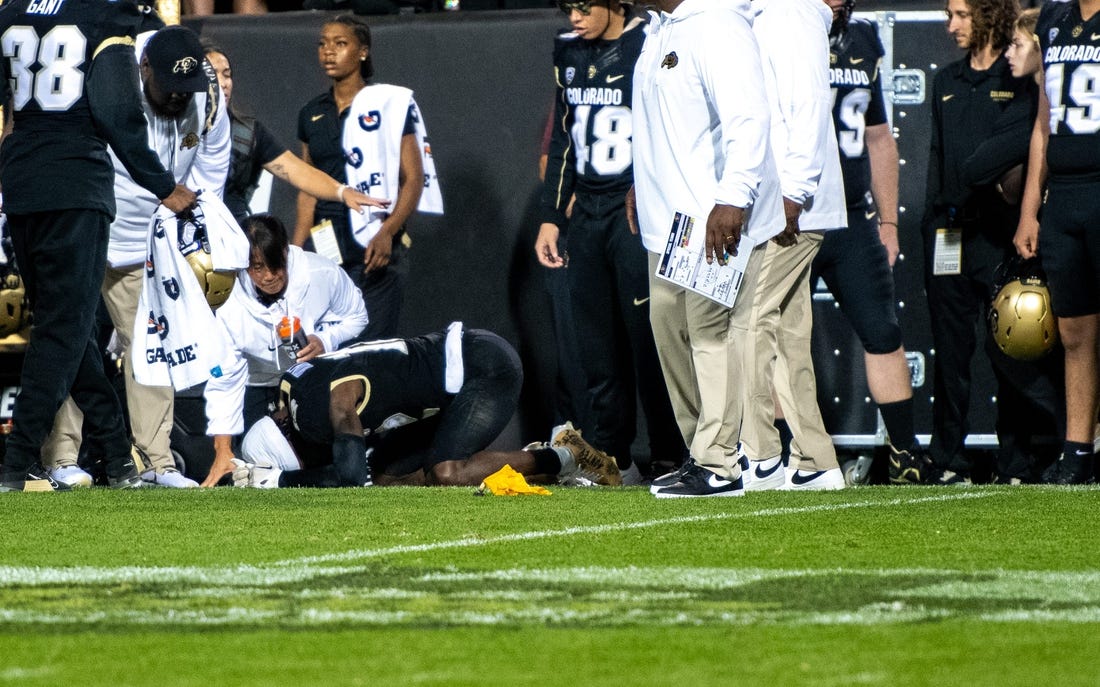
(1069, 245)
(854, 264)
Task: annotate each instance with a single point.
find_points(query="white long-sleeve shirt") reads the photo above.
(701, 122)
(794, 46)
(195, 147)
(318, 293)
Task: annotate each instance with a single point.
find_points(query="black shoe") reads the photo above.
(698, 481)
(36, 478)
(123, 473)
(670, 478)
(909, 467)
(1069, 469)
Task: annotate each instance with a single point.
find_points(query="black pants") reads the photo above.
(609, 288)
(62, 257)
(383, 290)
(958, 305)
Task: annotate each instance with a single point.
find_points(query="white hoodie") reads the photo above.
(701, 122)
(318, 293)
(794, 45)
(193, 147)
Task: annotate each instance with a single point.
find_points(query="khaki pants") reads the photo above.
(700, 344)
(150, 407)
(778, 356)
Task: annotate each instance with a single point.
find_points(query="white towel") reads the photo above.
(176, 340)
(372, 148)
(454, 372)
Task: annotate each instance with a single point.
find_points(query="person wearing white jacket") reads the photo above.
(282, 282)
(778, 354)
(701, 124)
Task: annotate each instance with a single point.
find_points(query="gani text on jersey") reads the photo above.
(49, 48)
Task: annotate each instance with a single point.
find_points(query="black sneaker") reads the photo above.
(698, 481)
(909, 467)
(36, 478)
(670, 478)
(123, 473)
(1069, 469)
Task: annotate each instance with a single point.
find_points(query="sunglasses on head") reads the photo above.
(582, 6)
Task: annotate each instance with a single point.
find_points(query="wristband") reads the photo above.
(340, 192)
(893, 224)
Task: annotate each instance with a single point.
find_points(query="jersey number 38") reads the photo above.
(58, 83)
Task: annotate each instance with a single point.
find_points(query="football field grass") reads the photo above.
(420, 586)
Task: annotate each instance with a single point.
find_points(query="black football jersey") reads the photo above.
(56, 156)
(403, 381)
(854, 59)
(1071, 61)
(590, 147)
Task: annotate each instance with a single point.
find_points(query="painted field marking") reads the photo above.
(307, 567)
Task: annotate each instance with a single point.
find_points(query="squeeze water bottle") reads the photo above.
(292, 336)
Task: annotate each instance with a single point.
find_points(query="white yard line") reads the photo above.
(307, 567)
(355, 555)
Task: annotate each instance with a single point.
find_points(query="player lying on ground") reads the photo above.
(407, 411)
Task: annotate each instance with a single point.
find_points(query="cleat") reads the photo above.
(813, 480)
(765, 475)
(911, 467)
(70, 475)
(1069, 469)
(857, 472)
(261, 474)
(696, 481)
(35, 478)
(170, 477)
(592, 464)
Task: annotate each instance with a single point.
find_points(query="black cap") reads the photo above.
(175, 55)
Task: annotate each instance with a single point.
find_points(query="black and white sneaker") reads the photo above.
(123, 473)
(697, 481)
(35, 478)
(670, 478)
(766, 474)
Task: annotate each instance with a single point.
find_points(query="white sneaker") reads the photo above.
(262, 475)
(171, 477)
(71, 476)
(632, 476)
(765, 475)
(811, 480)
(744, 465)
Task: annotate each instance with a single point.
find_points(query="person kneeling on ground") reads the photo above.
(407, 411)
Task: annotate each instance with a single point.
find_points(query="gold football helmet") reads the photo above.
(1020, 318)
